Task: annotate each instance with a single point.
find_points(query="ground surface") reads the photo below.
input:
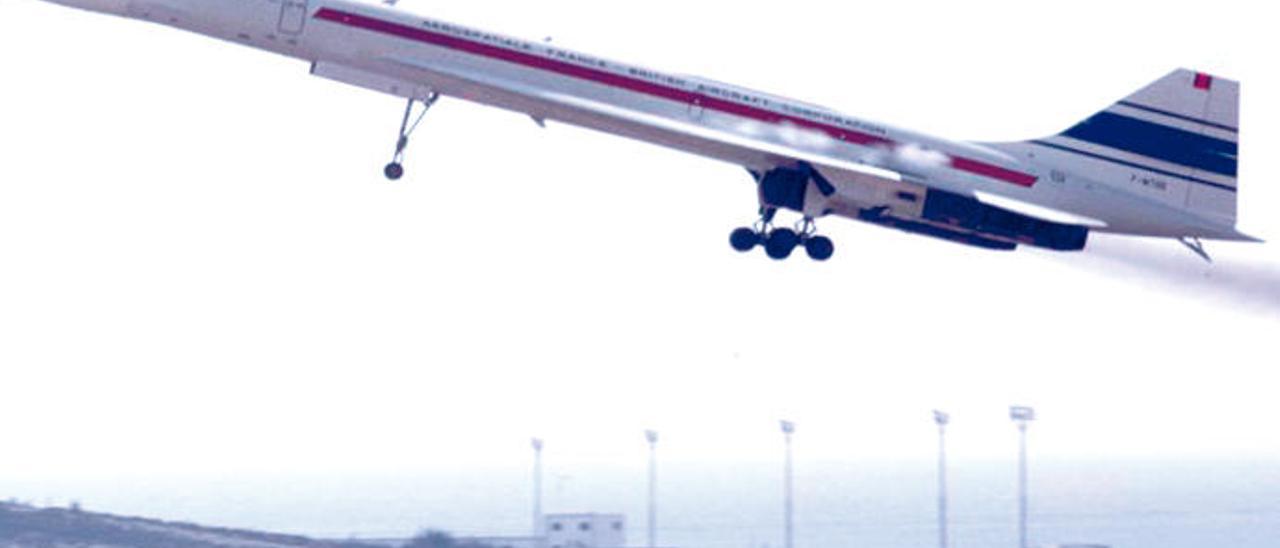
(29, 527)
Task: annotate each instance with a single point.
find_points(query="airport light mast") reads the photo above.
(652, 437)
(537, 490)
(942, 419)
(1022, 416)
(788, 429)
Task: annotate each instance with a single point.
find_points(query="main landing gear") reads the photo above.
(395, 170)
(779, 243)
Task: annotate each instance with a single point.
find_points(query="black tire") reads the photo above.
(781, 243)
(820, 248)
(394, 171)
(744, 239)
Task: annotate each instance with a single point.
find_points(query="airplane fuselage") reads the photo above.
(869, 171)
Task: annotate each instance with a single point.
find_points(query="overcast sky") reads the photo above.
(202, 270)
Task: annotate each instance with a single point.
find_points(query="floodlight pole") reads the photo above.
(1022, 484)
(1022, 416)
(537, 489)
(942, 419)
(789, 428)
(652, 437)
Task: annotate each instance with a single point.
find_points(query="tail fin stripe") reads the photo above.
(1169, 144)
(1214, 125)
(1135, 166)
(1174, 142)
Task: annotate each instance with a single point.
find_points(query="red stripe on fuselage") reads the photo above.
(647, 88)
(993, 171)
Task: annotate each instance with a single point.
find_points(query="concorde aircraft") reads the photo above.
(1160, 163)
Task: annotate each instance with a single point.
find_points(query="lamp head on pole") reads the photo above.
(537, 444)
(651, 435)
(1022, 413)
(788, 427)
(941, 418)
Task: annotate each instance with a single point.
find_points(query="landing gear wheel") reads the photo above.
(393, 171)
(744, 239)
(781, 243)
(819, 248)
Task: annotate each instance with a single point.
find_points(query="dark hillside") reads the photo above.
(28, 527)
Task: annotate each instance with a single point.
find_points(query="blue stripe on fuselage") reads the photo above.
(1168, 144)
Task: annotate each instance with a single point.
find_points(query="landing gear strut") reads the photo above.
(779, 243)
(395, 170)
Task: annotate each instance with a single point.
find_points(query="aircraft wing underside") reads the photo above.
(757, 154)
(828, 185)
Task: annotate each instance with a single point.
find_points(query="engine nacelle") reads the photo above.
(915, 208)
(971, 214)
(968, 221)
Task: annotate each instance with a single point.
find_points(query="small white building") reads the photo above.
(586, 530)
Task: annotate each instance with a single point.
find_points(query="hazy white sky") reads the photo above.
(201, 269)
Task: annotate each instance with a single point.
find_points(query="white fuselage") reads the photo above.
(401, 53)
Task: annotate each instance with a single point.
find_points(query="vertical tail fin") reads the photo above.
(1181, 132)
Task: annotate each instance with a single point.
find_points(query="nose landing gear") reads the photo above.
(779, 243)
(395, 170)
